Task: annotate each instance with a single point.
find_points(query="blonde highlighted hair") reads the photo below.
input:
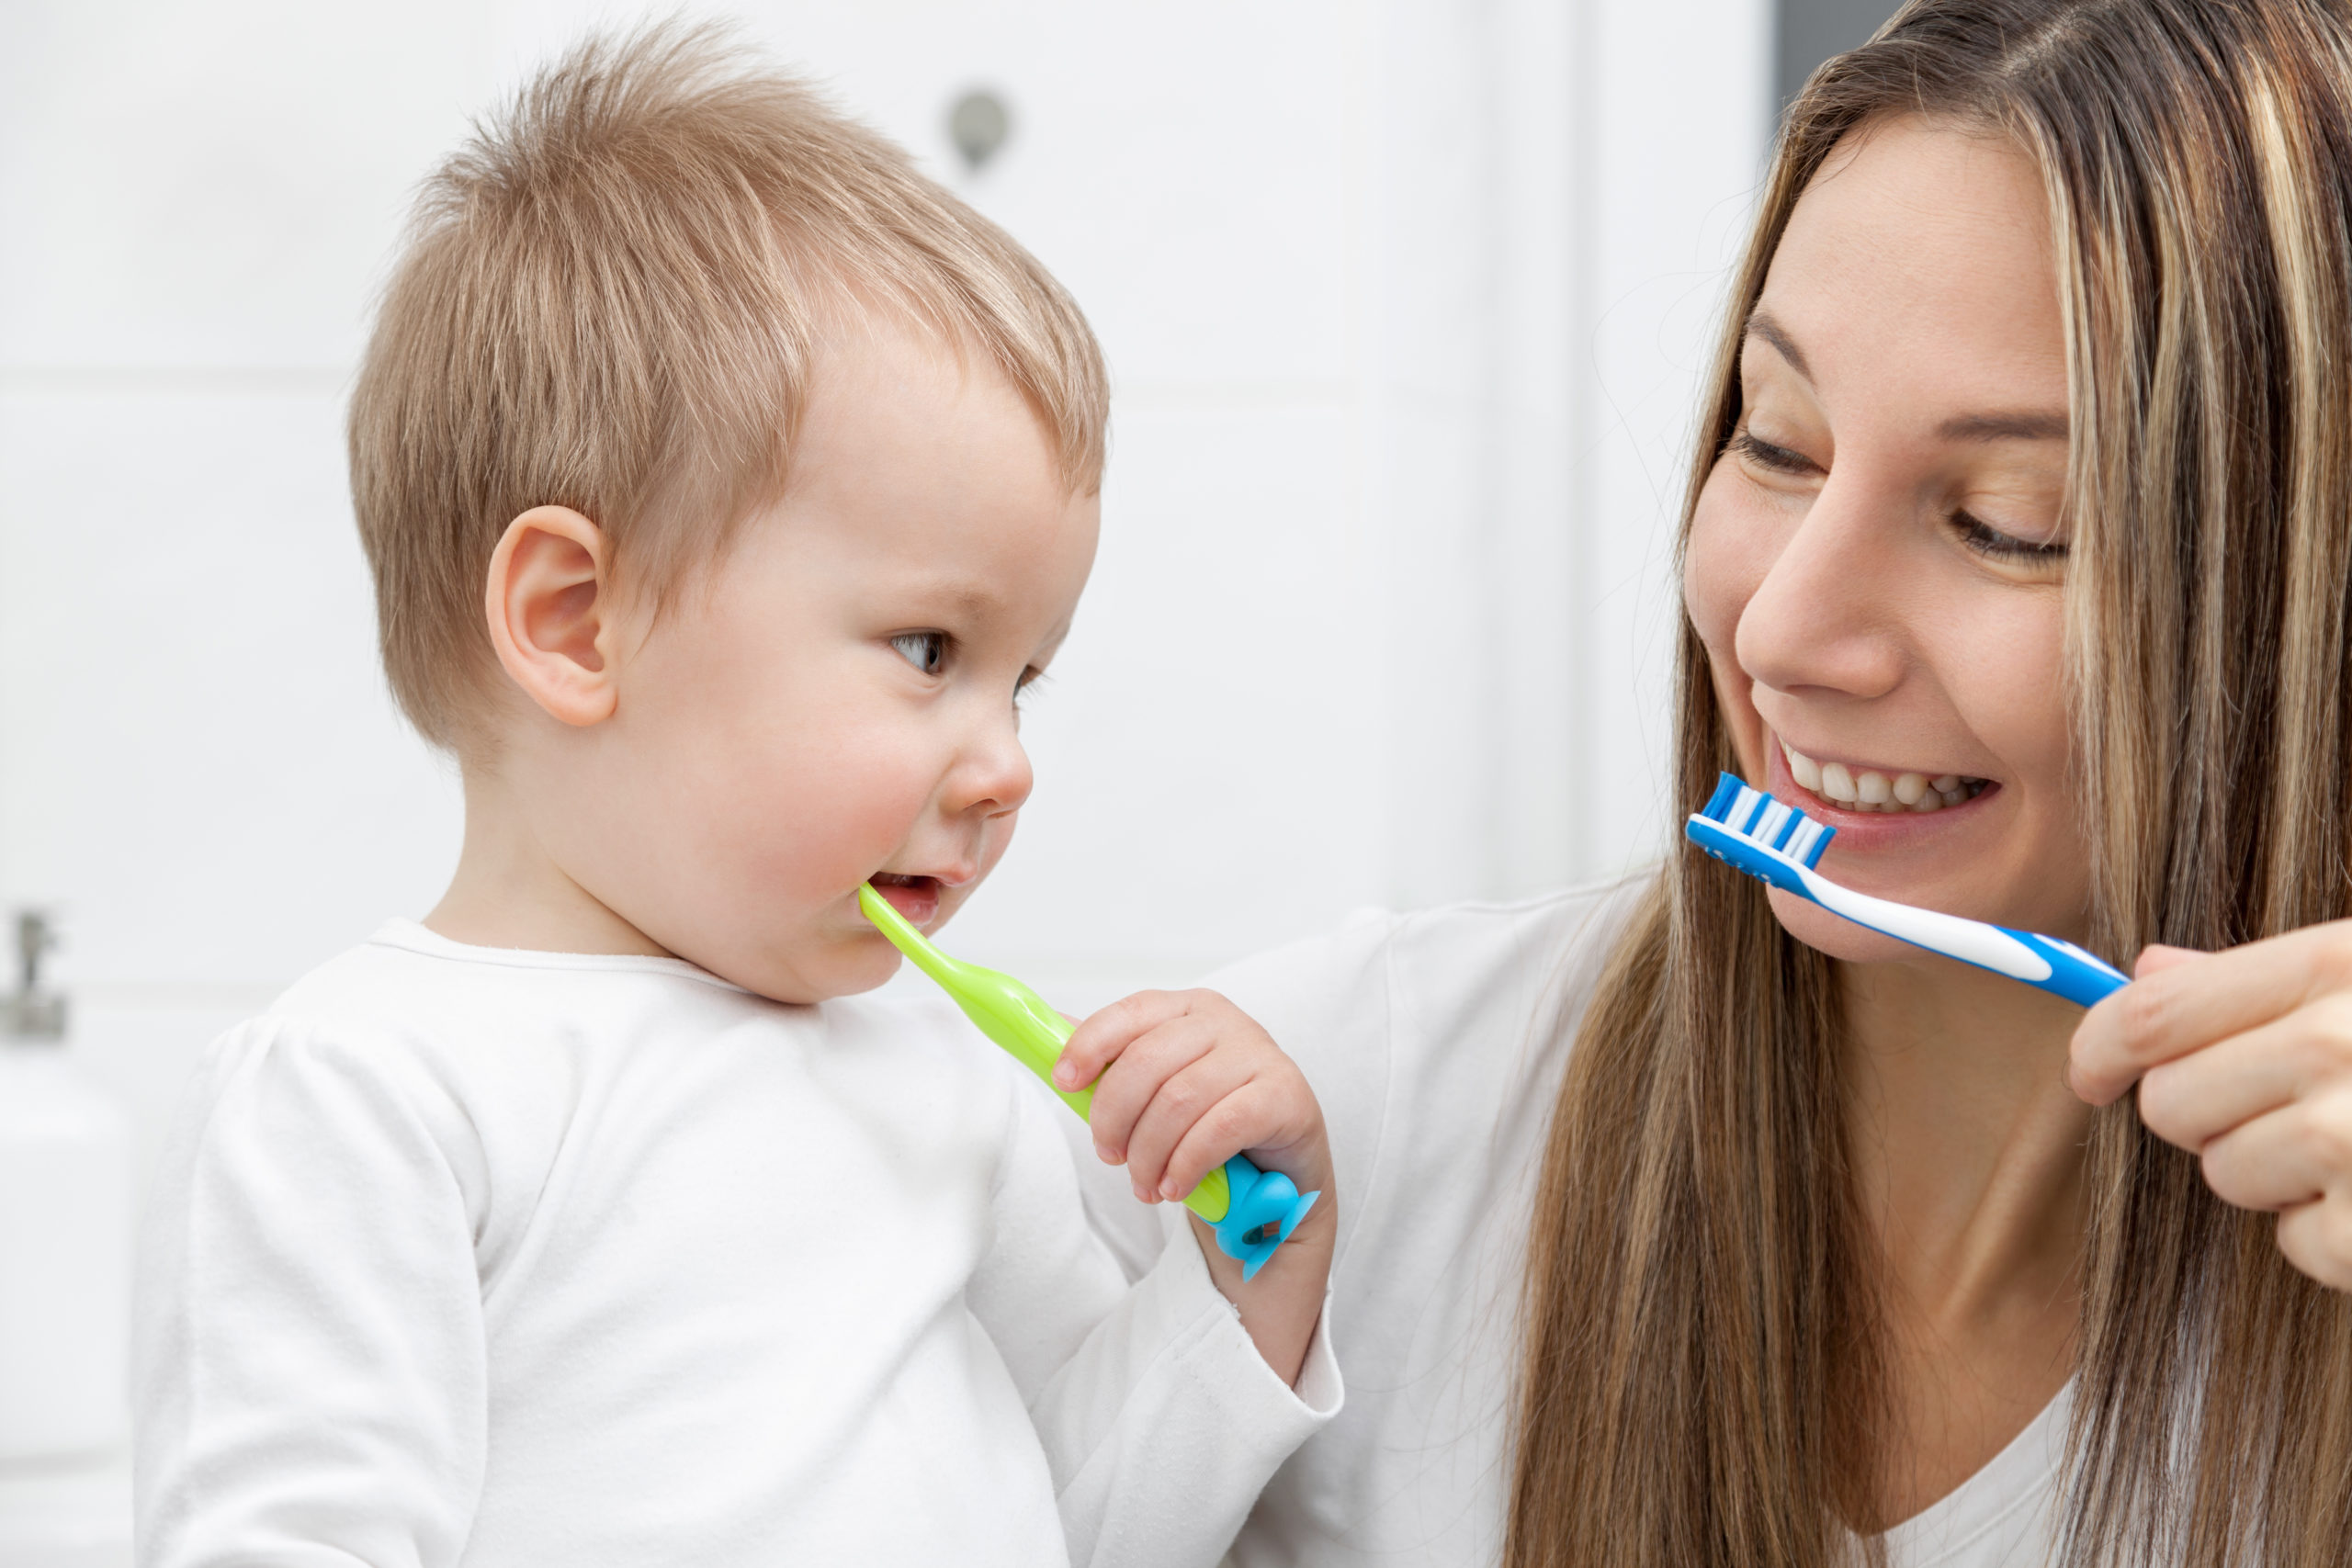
(1703, 1380)
(610, 299)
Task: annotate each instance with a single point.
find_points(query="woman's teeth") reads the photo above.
(1871, 791)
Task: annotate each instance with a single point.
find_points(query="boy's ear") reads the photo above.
(552, 616)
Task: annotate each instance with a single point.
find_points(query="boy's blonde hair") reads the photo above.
(610, 300)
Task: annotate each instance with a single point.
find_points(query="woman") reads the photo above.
(1687, 1224)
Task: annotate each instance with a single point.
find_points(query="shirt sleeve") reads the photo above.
(311, 1384)
(1160, 1421)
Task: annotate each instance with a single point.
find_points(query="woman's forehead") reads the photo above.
(1920, 256)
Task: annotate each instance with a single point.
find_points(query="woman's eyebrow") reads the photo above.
(1761, 325)
(2004, 427)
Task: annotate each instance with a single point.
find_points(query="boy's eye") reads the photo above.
(927, 651)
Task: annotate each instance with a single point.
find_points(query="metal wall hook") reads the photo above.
(28, 1012)
(977, 123)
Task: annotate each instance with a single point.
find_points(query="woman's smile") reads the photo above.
(1861, 787)
(1885, 845)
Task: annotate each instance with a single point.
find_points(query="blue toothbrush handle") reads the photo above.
(1264, 1207)
(2082, 978)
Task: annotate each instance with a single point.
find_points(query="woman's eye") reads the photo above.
(1764, 454)
(1990, 542)
(927, 651)
(1027, 686)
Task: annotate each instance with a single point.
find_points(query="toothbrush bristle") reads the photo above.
(1761, 820)
(1718, 807)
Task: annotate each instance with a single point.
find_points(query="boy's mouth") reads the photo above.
(916, 897)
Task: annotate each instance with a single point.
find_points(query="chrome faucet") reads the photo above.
(30, 1012)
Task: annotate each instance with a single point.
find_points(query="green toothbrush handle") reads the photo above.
(1212, 1199)
(1252, 1211)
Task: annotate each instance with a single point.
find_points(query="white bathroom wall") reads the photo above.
(1403, 298)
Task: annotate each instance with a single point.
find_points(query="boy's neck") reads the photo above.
(509, 892)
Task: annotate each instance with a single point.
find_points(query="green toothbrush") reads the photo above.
(1252, 1211)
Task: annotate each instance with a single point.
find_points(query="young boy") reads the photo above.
(724, 482)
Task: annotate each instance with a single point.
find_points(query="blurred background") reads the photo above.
(1405, 300)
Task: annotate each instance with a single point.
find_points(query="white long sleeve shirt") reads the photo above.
(465, 1255)
(1436, 1044)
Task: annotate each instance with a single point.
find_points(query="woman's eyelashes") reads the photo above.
(1979, 535)
(927, 651)
(1765, 455)
(1994, 545)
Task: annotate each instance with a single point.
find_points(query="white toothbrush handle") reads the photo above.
(1972, 942)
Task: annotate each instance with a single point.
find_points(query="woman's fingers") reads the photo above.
(2176, 1007)
(2245, 1058)
(2158, 956)
(2317, 1239)
(2192, 1100)
(2290, 1157)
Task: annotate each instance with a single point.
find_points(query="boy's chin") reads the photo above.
(842, 968)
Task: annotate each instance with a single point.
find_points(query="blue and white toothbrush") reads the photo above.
(1769, 839)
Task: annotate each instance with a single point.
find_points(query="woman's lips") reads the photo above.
(916, 897)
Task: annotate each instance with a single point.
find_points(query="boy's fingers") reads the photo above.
(1127, 1086)
(1097, 1041)
(1233, 1125)
(1179, 1104)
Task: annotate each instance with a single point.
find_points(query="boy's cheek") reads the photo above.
(808, 849)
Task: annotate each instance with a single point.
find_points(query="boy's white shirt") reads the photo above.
(462, 1256)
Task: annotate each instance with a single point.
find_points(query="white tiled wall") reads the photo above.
(1403, 298)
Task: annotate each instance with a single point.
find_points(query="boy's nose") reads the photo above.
(992, 777)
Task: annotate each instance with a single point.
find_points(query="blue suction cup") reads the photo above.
(1266, 1207)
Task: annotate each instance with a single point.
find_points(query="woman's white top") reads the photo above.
(1435, 1043)
(463, 1255)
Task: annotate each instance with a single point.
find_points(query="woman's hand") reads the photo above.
(2245, 1059)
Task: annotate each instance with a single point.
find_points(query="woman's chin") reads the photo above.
(1840, 938)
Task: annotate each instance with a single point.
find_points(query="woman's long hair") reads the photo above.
(1704, 1373)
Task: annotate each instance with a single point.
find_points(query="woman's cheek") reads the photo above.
(1721, 569)
(2002, 664)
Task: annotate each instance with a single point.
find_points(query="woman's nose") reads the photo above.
(1822, 617)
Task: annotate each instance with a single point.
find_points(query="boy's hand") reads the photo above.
(1183, 1082)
